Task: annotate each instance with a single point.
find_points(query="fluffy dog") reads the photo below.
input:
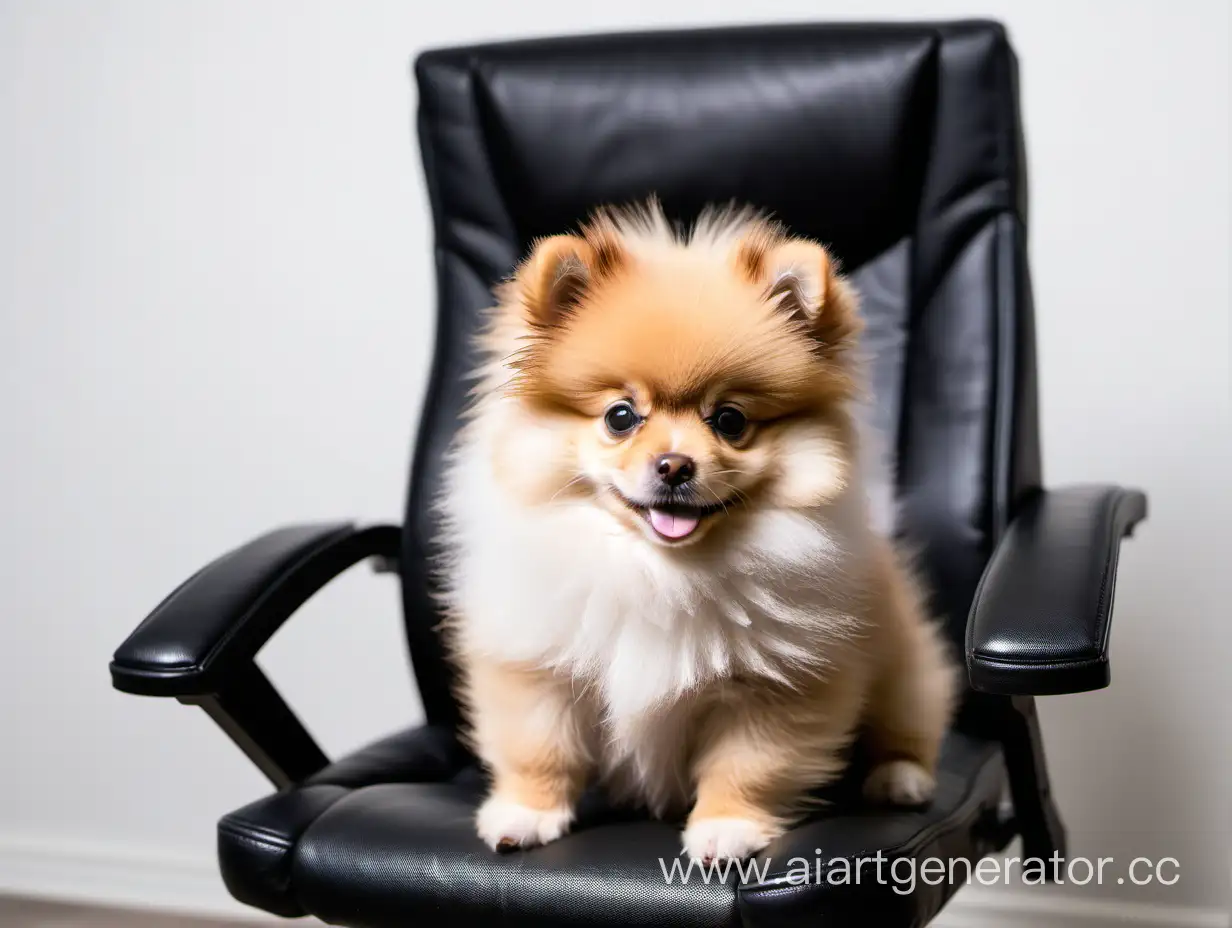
(663, 572)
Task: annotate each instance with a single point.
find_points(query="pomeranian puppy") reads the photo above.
(663, 573)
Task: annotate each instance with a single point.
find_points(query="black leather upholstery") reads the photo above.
(385, 838)
(200, 643)
(217, 620)
(901, 147)
(256, 844)
(1041, 616)
(962, 822)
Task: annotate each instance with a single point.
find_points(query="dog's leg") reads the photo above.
(912, 701)
(757, 760)
(536, 738)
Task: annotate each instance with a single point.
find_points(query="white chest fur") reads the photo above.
(636, 625)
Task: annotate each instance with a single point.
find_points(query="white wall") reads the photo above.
(217, 314)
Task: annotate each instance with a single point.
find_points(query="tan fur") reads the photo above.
(738, 314)
(533, 736)
(767, 747)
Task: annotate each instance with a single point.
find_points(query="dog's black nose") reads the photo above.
(674, 469)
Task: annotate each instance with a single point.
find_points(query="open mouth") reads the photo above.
(673, 521)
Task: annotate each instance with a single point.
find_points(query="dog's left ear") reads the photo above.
(802, 280)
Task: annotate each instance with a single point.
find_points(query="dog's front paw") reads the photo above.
(710, 839)
(505, 825)
(900, 783)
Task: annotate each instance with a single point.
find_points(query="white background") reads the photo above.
(217, 311)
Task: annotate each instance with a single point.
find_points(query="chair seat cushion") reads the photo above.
(384, 839)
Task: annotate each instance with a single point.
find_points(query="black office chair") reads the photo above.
(901, 147)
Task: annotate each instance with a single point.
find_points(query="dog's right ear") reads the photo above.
(555, 278)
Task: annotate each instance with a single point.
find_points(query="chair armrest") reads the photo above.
(1040, 618)
(220, 617)
(199, 644)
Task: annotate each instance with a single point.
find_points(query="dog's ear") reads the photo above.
(556, 278)
(802, 279)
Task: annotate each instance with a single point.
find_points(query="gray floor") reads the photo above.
(28, 913)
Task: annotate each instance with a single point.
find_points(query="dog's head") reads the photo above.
(674, 379)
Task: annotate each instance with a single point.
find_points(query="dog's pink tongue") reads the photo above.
(672, 526)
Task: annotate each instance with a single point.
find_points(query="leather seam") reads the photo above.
(485, 112)
(249, 831)
(1060, 663)
(914, 302)
(428, 154)
(1002, 441)
(1005, 371)
(981, 589)
(1107, 579)
(255, 834)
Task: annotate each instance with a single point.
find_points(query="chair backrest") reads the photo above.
(899, 146)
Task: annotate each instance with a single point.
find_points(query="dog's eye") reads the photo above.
(620, 419)
(729, 422)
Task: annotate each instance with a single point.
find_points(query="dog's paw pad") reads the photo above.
(506, 826)
(711, 839)
(900, 783)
